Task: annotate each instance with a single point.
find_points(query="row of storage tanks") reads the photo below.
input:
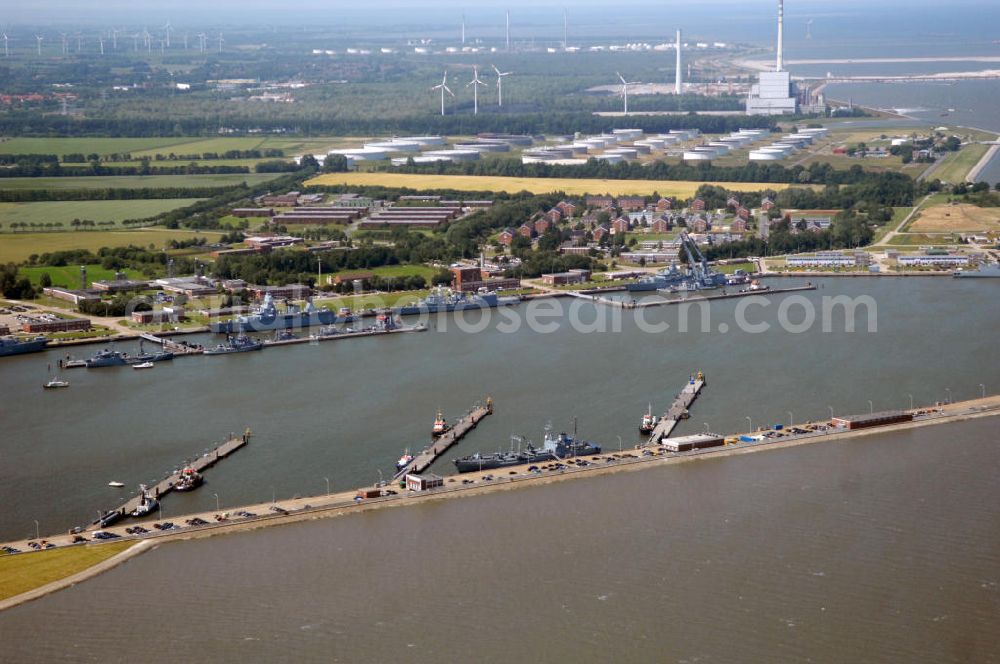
(788, 144)
(618, 146)
(723, 146)
(427, 149)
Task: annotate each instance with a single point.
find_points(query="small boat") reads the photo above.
(147, 504)
(404, 460)
(54, 383)
(190, 480)
(116, 485)
(143, 365)
(649, 421)
(440, 426)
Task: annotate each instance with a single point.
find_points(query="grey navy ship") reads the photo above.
(15, 346)
(555, 448)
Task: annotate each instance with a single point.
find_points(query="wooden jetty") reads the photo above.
(206, 460)
(678, 409)
(441, 445)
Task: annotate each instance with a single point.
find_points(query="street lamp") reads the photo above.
(911, 400)
(750, 423)
(707, 428)
(831, 411)
(327, 485)
(217, 509)
(619, 443)
(37, 535)
(948, 390)
(381, 480)
(791, 419)
(982, 388)
(871, 407)
(272, 495)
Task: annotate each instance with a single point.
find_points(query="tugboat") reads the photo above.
(190, 480)
(404, 460)
(147, 504)
(238, 344)
(440, 426)
(649, 422)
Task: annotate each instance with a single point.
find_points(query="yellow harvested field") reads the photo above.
(956, 218)
(574, 186)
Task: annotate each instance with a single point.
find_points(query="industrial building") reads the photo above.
(698, 441)
(867, 420)
(774, 93)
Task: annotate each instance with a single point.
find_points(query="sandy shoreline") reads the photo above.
(959, 412)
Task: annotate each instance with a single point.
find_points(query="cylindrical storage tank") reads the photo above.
(642, 148)
(694, 155)
(764, 155)
(610, 158)
(394, 146)
(483, 147)
(454, 155)
(424, 140)
(626, 153)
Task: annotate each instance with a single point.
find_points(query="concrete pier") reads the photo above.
(166, 485)
(463, 426)
(678, 409)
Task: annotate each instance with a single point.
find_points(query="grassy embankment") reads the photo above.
(21, 573)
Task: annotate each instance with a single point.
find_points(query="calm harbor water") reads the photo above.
(878, 549)
(346, 410)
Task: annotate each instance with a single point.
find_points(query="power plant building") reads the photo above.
(774, 94)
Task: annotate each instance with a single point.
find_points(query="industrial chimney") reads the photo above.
(781, 35)
(677, 83)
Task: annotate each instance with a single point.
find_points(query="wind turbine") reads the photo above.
(100, 40)
(167, 28)
(475, 83)
(809, 25)
(6, 48)
(201, 41)
(185, 41)
(221, 41)
(135, 41)
(114, 39)
(625, 85)
(65, 48)
(500, 75)
(39, 38)
(443, 87)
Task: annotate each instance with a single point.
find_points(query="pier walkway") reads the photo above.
(206, 460)
(463, 426)
(677, 410)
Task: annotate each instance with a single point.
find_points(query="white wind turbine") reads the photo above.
(625, 85)
(201, 41)
(475, 83)
(167, 28)
(443, 87)
(500, 75)
(221, 42)
(6, 48)
(39, 38)
(100, 40)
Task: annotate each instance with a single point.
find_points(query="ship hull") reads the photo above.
(33, 346)
(279, 322)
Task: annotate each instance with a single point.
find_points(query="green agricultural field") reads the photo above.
(101, 146)
(69, 275)
(16, 247)
(137, 181)
(66, 211)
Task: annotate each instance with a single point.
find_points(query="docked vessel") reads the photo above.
(190, 480)
(238, 344)
(404, 461)
(698, 275)
(440, 426)
(267, 318)
(143, 365)
(649, 422)
(555, 448)
(665, 278)
(147, 504)
(15, 346)
(444, 301)
(986, 270)
(55, 383)
(107, 358)
(281, 336)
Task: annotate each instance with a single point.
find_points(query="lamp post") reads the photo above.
(619, 443)
(871, 407)
(750, 423)
(982, 388)
(381, 480)
(911, 400)
(791, 419)
(37, 535)
(948, 390)
(831, 411)
(217, 509)
(708, 429)
(272, 495)
(327, 485)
